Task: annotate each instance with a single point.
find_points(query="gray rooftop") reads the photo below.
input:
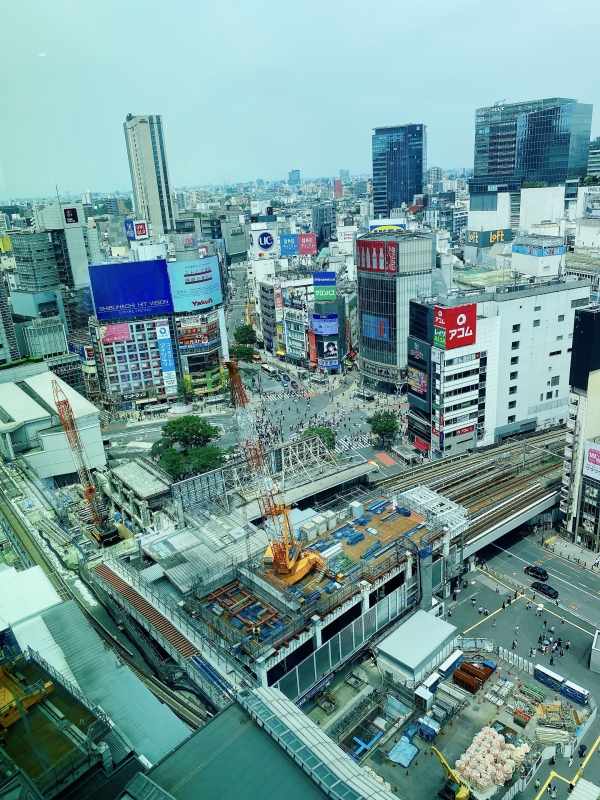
(149, 725)
(143, 478)
(232, 757)
(415, 639)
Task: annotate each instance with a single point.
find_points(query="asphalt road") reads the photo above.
(578, 587)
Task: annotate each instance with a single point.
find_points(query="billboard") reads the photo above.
(312, 348)
(487, 238)
(324, 286)
(419, 371)
(591, 460)
(202, 250)
(132, 289)
(454, 327)
(325, 324)
(327, 349)
(167, 359)
(386, 225)
(525, 250)
(377, 255)
(136, 229)
(294, 244)
(417, 381)
(71, 215)
(278, 295)
(376, 327)
(195, 284)
(120, 332)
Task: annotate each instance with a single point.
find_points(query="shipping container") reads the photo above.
(450, 664)
(574, 692)
(547, 677)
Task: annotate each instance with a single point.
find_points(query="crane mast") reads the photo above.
(69, 423)
(284, 554)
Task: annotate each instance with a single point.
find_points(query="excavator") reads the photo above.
(285, 556)
(455, 788)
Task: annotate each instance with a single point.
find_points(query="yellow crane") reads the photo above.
(455, 788)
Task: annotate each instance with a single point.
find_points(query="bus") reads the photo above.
(270, 371)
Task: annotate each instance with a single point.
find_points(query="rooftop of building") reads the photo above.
(538, 240)
(485, 288)
(413, 641)
(582, 261)
(143, 477)
(232, 756)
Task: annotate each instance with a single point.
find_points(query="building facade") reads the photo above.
(392, 269)
(540, 141)
(152, 194)
(399, 162)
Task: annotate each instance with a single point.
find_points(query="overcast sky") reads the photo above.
(253, 88)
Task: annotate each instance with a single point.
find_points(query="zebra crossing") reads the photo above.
(346, 443)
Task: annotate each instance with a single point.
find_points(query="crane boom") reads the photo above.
(463, 792)
(284, 554)
(69, 423)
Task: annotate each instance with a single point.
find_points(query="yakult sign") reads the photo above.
(454, 327)
(591, 461)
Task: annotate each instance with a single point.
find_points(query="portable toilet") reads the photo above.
(309, 530)
(321, 524)
(357, 509)
(331, 518)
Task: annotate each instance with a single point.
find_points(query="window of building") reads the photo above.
(536, 323)
(512, 418)
(555, 380)
(541, 397)
(578, 303)
(548, 395)
(556, 352)
(515, 345)
(561, 317)
(512, 389)
(512, 403)
(556, 393)
(537, 308)
(514, 376)
(514, 360)
(516, 328)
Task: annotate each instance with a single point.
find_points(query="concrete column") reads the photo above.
(409, 566)
(365, 589)
(471, 563)
(317, 630)
(261, 671)
(446, 544)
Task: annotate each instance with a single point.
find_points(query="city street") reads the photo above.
(578, 586)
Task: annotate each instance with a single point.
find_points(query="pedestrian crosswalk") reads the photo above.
(346, 443)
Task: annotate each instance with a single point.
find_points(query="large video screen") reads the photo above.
(195, 285)
(132, 289)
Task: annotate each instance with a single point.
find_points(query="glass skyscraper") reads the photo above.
(540, 141)
(399, 162)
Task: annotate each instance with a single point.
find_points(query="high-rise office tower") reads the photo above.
(145, 140)
(593, 159)
(399, 161)
(345, 175)
(545, 142)
(294, 177)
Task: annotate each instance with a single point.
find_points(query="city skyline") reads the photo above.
(71, 136)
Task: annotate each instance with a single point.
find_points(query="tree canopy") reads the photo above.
(245, 334)
(384, 424)
(241, 352)
(326, 435)
(183, 449)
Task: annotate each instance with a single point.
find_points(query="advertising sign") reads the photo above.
(327, 349)
(376, 327)
(307, 244)
(324, 286)
(312, 347)
(79, 349)
(325, 324)
(525, 250)
(266, 240)
(132, 289)
(417, 381)
(71, 215)
(288, 243)
(5, 245)
(386, 225)
(294, 297)
(487, 238)
(454, 327)
(141, 229)
(195, 284)
(120, 332)
(377, 255)
(167, 359)
(462, 431)
(591, 460)
(129, 230)
(278, 295)
(202, 250)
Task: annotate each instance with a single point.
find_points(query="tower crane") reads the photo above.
(69, 423)
(284, 556)
(455, 788)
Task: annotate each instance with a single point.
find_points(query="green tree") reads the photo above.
(242, 352)
(185, 390)
(384, 424)
(183, 448)
(245, 334)
(326, 435)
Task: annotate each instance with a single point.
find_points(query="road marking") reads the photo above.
(583, 584)
(493, 544)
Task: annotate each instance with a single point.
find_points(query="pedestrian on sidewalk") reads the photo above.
(551, 661)
(494, 623)
(485, 612)
(568, 646)
(497, 589)
(481, 609)
(562, 652)
(517, 630)
(449, 613)
(503, 606)
(533, 598)
(570, 761)
(473, 601)
(563, 621)
(544, 624)
(536, 784)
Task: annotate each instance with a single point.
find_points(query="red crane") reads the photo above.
(69, 423)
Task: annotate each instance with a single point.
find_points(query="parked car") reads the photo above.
(284, 384)
(286, 376)
(536, 572)
(294, 384)
(543, 588)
